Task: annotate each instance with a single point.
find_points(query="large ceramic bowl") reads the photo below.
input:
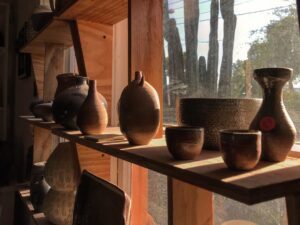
(216, 114)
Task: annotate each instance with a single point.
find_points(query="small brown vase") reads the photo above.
(278, 130)
(139, 111)
(92, 117)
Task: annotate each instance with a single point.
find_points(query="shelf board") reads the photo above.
(97, 11)
(40, 123)
(266, 182)
(55, 32)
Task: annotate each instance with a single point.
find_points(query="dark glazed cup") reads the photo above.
(241, 149)
(184, 142)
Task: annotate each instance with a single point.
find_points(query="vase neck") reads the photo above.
(92, 86)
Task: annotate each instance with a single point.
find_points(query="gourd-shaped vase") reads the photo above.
(139, 111)
(70, 94)
(272, 119)
(92, 117)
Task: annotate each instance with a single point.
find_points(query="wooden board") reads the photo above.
(189, 204)
(38, 64)
(93, 49)
(40, 123)
(146, 43)
(267, 181)
(56, 32)
(98, 11)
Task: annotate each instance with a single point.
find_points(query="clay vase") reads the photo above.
(272, 119)
(92, 117)
(43, 110)
(40, 17)
(62, 171)
(139, 111)
(38, 186)
(58, 5)
(58, 207)
(70, 94)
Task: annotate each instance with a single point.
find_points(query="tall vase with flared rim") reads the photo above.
(278, 130)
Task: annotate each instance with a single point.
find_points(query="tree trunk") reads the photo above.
(213, 52)
(227, 11)
(191, 21)
(203, 81)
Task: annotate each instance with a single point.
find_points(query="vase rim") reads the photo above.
(273, 69)
(221, 99)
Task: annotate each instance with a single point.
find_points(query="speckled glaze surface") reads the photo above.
(216, 114)
(278, 130)
(62, 171)
(139, 111)
(58, 207)
(92, 117)
(183, 142)
(240, 149)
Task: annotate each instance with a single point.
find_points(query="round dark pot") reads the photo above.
(43, 110)
(139, 111)
(272, 119)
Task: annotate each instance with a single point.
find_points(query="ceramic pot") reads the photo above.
(38, 186)
(278, 130)
(139, 111)
(40, 17)
(92, 117)
(62, 168)
(71, 93)
(58, 5)
(43, 110)
(184, 142)
(58, 207)
(216, 114)
(240, 149)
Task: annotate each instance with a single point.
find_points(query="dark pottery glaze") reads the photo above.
(43, 110)
(40, 17)
(241, 149)
(272, 119)
(38, 186)
(216, 114)
(92, 117)
(139, 111)
(58, 5)
(33, 104)
(69, 97)
(183, 142)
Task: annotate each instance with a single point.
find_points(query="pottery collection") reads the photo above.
(272, 119)
(240, 149)
(184, 142)
(92, 117)
(139, 111)
(216, 114)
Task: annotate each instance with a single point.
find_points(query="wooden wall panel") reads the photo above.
(93, 49)
(38, 69)
(146, 43)
(54, 65)
(189, 204)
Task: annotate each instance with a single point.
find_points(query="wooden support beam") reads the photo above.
(189, 204)
(293, 209)
(146, 43)
(38, 62)
(54, 65)
(93, 50)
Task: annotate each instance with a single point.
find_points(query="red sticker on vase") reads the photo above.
(267, 123)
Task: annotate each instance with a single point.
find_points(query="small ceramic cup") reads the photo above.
(184, 142)
(241, 149)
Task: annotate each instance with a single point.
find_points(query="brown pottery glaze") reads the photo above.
(216, 114)
(184, 142)
(139, 111)
(70, 94)
(240, 149)
(92, 117)
(278, 130)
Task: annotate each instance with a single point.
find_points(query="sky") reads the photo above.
(251, 15)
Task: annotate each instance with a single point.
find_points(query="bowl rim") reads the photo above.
(240, 131)
(220, 99)
(185, 128)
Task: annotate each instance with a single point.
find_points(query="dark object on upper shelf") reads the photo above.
(241, 149)
(92, 117)
(59, 5)
(139, 111)
(40, 17)
(272, 119)
(185, 142)
(1, 40)
(216, 114)
(69, 96)
(41, 109)
(100, 202)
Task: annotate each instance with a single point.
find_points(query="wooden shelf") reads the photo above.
(266, 182)
(55, 32)
(98, 11)
(38, 122)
